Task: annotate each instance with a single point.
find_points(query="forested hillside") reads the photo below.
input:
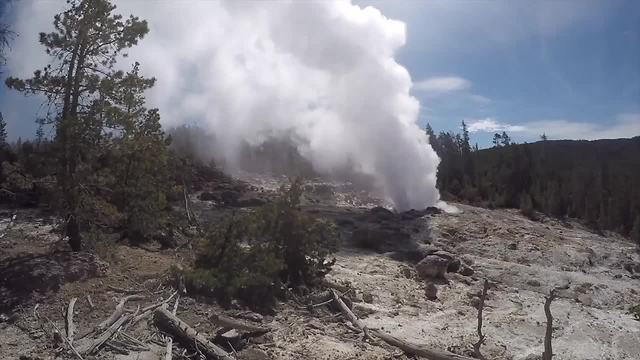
(596, 181)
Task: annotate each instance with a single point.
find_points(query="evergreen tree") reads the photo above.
(506, 140)
(635, 230)
(87, 41)
(3, 131)
(543, 137)
(140, 165)
(497, 140)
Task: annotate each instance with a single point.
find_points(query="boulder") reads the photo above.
(430, 290)
(432, 266)
(465, 270)
(208, 196)
(24, 279)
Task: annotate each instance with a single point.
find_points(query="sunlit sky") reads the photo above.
(570, 69)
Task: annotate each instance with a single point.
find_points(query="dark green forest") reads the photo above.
(595, 181)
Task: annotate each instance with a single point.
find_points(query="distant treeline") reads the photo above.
(595, 181)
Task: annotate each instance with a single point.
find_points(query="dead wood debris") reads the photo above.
(407, 347)
(481, 336)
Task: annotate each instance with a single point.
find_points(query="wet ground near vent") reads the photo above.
(523, 260)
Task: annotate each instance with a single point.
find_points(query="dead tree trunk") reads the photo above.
(481, 337)
(548, 352)
(69, 320)
(171, 324)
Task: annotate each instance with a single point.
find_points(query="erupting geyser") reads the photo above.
(322, 73)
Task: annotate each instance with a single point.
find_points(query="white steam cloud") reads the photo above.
(322, 73)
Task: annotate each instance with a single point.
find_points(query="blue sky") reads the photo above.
(570, 69)
(567, 68)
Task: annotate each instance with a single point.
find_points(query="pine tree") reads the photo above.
(635, 230)
(87, 41)
(3, 131)
(506, 140)
(140, 167)
(497, 140)
(543, 137)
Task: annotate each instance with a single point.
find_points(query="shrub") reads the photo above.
(635, 311)
(252, 257)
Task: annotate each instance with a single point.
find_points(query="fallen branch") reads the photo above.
(172, 325)
(90, 303)
(350, 315)
(409, 348)
(125, 291)
(416, 349)
(76, 353)
(481, 337)
(150, 309)
(117, 313)
(89, 346)
(69, 319)
(548, 352)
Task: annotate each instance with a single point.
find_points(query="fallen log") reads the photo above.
(69, 319)
(407, 347)
(417, 349)
(172, 325)
(169, 350)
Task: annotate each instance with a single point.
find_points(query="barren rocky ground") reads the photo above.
(523, 260)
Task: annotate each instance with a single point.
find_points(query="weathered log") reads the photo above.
(69, 320)
(350, 315)
(90, 345)
(417, 349)
(117, 313)
(172, 325)
(169, 350)
(409, 348)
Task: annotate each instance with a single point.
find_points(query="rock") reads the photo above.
(533, 282)
(380, 214)
(432, 266)
(454, 263)
(367, 297)
(430, 290)
(230, 197)
(512, 246)
(466, 270)
(250, 202)
(406, 272)
(381, 240)
(25, 278)
(208, 196)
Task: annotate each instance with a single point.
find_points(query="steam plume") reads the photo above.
(321, 73)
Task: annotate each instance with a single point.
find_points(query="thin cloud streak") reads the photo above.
(623, 126)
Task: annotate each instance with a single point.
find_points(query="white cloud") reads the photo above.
(623, 126)
(491, 125)
(441, 85)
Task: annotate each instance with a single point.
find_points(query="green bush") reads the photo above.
(254, 257)
(635, 311)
